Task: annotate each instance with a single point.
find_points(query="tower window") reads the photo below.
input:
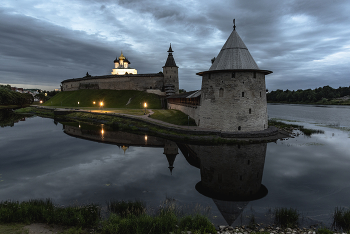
(233, 74)
(260, 94)
(240, 177)
(239, 128)
(170, 76)
(221, 92)
(248, 162)
(250, 110)
(242, 94)
(254, 75)
(209, 76)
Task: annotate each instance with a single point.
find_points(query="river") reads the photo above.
(75, 163)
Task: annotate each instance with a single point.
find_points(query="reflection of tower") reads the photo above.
(231, 176)
(170, 150)
(124, 148)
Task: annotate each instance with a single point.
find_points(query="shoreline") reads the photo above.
(167, 130)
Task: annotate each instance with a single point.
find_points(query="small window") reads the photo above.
(150, 87)
(260, 94)
(209, 76)
(242, 94)
(221, 92)
(233, 74)
(254, 75)
(250, 110)
(240, 177)
(248, 162)
(239, 128)
(170, 76)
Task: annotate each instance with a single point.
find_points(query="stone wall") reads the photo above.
(191, 110)
(234, 104)
(140, 82)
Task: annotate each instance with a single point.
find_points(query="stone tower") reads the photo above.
(171, 75)
(233, 90)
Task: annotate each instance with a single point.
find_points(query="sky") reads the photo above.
(305, 43)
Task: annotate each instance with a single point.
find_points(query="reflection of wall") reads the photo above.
(231, 175)
(115, 137)
(233, 170)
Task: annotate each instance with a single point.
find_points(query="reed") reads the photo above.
(287, 218)
(341, 219)
(44, 211)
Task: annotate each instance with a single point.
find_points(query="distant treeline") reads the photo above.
(321, 94)
(9, 97)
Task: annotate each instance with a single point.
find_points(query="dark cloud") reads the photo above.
(305, 43)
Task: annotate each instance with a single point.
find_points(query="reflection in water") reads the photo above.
(122, 139)
(8, 118)
(230, 174)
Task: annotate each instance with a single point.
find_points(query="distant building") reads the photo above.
(124, 77)
(122, 66)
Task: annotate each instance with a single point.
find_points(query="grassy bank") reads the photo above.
(290, 127)
(125, 217)
(130, 99)
(174, 117)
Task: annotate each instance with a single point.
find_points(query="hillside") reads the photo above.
(110, 99)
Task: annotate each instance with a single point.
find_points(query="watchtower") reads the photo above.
(233, 90)
(171, 75)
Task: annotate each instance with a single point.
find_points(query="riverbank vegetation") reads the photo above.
(130, 99)
(290, 127)
(323, 95)
(12, 99)
(134, 217)
(125, 217)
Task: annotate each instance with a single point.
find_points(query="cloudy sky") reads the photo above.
(305, 43)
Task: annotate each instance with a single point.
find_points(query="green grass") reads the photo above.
(285, 126)
(341, 219)
(126, 217)
(324, 230)
(110, 98)
(13, 229)
(173, 116)
(164, 222)
(44, 211)
(286, 217)
(127, 208)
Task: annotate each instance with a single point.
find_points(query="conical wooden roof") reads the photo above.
(234, 55)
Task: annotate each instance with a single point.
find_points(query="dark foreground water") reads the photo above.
(40, 158)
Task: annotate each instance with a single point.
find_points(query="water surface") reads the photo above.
(41, 158)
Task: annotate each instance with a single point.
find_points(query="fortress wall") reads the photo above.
(140, 83)
(192, 111)
(228, 103)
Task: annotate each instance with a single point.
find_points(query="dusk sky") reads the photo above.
(306, 43)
